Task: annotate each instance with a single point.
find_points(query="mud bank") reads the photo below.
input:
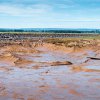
(49, 72)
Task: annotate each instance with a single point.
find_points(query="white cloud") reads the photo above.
(16, 10)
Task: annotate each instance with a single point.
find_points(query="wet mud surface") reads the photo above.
(44, 74)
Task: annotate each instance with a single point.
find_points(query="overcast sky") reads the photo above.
(49, 13)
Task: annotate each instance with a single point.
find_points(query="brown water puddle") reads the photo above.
(37, 79)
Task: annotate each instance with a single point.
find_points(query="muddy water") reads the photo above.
(41, 81)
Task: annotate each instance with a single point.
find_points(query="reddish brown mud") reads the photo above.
(48, 72)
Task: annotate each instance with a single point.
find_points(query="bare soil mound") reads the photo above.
(8, 57)
(18, 48)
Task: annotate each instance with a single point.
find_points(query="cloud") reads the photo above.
(49, 13)
(34, 7)
(15, 10)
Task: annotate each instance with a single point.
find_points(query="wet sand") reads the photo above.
(49, 72)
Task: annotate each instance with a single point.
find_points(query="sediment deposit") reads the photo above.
(50, 70)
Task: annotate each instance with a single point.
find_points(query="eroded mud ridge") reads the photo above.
(50, 70)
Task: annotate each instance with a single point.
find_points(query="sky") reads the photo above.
(50, 14)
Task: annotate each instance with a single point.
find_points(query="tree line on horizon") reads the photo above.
(50, 31)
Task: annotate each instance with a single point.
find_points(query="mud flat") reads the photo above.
(52, 70)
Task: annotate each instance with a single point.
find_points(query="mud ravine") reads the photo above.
(49, 72)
